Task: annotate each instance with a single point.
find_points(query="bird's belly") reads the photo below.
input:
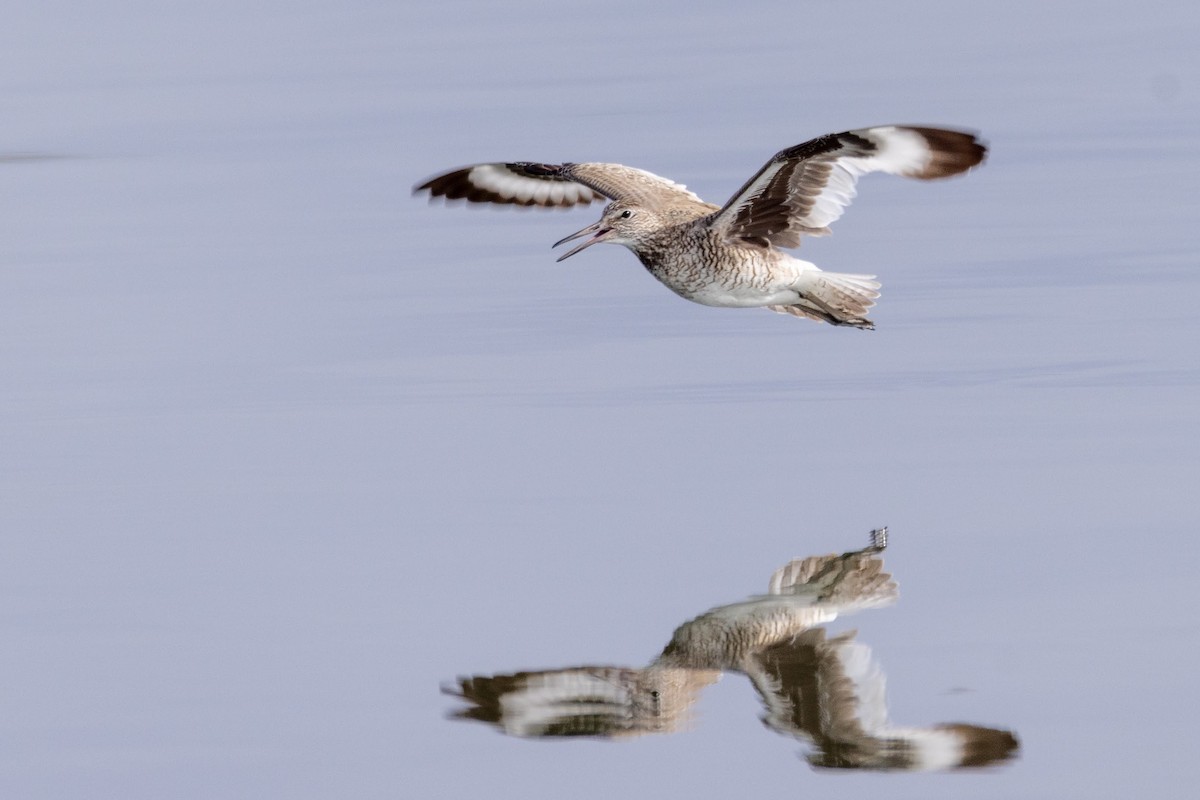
(735, 281)
(713, 291)
(742, 297)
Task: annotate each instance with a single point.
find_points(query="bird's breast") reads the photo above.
(713, 273)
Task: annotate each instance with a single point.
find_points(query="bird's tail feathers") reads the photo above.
(836, 297)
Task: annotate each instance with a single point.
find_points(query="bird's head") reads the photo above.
(621, 223)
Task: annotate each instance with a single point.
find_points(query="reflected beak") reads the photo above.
(600, 235)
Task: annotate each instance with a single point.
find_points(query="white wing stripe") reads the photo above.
(495, 178)
(901, 152)
(838, 192)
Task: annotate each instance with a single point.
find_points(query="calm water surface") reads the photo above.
(285, 450)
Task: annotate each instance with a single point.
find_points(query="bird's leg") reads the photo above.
(829, 315)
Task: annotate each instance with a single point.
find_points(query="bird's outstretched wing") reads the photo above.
(804, 189)
(526, 183)
(830, 693)
(596, 701)
(521, 183)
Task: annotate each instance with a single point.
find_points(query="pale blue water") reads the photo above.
(284, 449)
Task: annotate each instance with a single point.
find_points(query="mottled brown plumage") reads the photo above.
(730, 255)
(825, 692)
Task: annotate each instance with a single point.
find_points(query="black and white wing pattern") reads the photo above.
(830, 694)
(595, 701)
(525, 183)
(521, 183)
(804, 189)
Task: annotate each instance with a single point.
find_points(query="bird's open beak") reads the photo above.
(601, 233)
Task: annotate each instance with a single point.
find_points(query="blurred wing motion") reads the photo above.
(526, 183)
(804, 189)
(830, 693)
(582, 701)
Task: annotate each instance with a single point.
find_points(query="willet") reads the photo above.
(730, 255)
(828, 693)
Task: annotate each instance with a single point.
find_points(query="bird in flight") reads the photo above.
(827, 692)
(731, 255)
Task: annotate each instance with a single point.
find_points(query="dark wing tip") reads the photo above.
(983, 746)
(952, 152)
(452, 185)
(458, 185)
(513, 183)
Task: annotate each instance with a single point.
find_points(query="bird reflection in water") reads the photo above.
(824, 691)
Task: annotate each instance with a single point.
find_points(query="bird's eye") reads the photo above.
(626, 214)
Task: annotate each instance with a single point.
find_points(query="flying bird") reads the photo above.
(731, 255)
(827, 693)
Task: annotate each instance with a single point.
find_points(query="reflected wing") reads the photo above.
(804, 189)
(830, 693)
(581, 701)
(805, 691)
(526, 183)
